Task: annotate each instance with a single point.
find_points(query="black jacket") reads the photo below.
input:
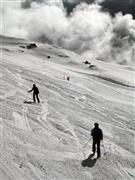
(97, 134)
(35, 90)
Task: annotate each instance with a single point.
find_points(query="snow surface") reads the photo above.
(45, 141)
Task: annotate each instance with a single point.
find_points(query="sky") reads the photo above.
(98, 29)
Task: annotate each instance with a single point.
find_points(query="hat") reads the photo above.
(96, 124)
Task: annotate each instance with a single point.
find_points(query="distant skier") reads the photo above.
(35, 93)
(68, 78)
(97, 136)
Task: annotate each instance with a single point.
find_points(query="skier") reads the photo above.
(97, 136)
(68, 78)
(35, 93)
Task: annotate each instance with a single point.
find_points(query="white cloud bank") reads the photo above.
(87, 30)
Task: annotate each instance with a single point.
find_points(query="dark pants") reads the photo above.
(36, 96)
(96, 143)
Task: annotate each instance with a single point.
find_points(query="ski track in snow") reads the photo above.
(42, 117)
(70, 130)
(21, 121)
(1, 75)
(20, 83)
(16, 76)
(9, 94)
(20, 80)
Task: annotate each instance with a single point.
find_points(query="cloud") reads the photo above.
(26, 4)
(111, 6)
(87, 30)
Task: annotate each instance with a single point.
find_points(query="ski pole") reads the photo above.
(84, 147)
(104, 148)
(83, 154)
(26, 96)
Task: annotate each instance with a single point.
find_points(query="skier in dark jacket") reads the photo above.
(35, 93)
(97, 136)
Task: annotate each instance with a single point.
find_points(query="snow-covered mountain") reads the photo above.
(45, 141)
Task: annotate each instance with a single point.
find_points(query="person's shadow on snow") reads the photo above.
(89, 162)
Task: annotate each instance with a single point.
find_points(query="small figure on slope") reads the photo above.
(35, 93)
(97, 136)
(68, 78)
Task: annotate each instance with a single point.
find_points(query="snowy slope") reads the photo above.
(44, 141)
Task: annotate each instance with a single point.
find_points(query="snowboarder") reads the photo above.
(35, 93)
(97, 136)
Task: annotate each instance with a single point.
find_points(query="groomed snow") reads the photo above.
(45, 141)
